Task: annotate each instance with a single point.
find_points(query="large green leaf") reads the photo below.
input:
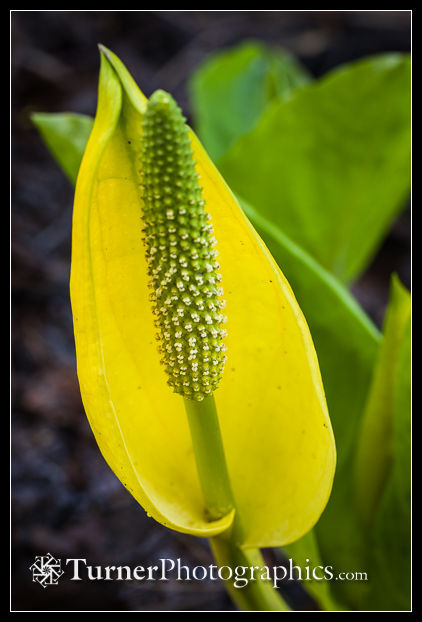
(330, 166)
(233, 87)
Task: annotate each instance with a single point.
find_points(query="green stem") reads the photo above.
(258, 594)
(209, 456)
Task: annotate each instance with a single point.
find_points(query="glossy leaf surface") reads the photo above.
(331, 165)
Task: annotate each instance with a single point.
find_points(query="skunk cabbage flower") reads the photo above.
(151, 213)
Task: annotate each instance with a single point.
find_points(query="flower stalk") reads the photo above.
(210, 457)
(259, 594)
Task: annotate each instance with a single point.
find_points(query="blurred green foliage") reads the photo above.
(242, 82)
(329, 163)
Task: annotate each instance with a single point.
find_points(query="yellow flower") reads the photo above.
(276, 430)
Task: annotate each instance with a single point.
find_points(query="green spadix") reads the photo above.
(180, 253)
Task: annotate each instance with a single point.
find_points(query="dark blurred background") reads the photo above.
(65, 499)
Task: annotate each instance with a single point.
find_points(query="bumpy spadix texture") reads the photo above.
(181, 257)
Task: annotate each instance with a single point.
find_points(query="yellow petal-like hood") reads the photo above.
(276, 430)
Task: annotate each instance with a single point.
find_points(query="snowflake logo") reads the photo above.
(46, 570)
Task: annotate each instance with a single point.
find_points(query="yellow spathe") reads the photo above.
(275, 425)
